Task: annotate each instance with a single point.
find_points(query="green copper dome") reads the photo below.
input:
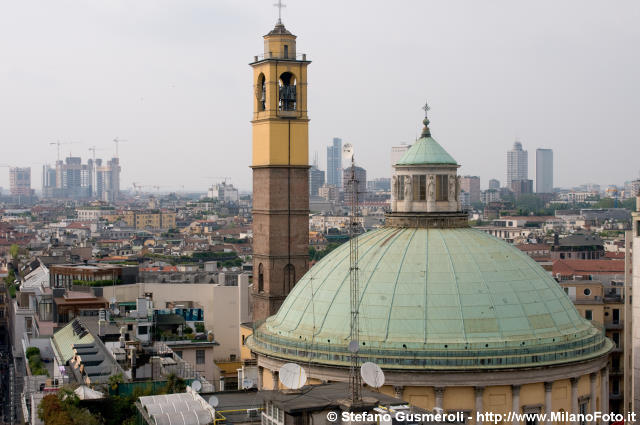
(431, 299)
(426, 151)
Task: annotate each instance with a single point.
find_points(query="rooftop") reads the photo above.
(566, 267)
(431, 298)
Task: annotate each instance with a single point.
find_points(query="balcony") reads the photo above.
(617, 325)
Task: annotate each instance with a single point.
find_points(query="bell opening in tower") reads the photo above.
(287, 92)
(262, 92)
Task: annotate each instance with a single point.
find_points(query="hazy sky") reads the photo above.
(172, 78)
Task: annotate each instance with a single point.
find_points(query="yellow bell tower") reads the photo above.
(280, 171)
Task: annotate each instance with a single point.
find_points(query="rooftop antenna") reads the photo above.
(279, 5)
(355, 382)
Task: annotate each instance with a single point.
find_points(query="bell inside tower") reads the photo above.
(287, 92)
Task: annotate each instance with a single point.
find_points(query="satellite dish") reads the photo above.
(213, 401)
(372, 375)
(116, 311)
(347, 151)
(196, 386)
(247, 383)
(354, 347)
(113, 300)
(292, 376)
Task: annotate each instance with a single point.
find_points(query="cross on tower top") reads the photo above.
(426, 108)
(279, 5)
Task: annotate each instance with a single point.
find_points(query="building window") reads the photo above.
(28, 325)
(260, 278)
(286, 51)
(178, 353)
(588, 314)
(583, 411)
(199, 356)
(442, 187)
(615, 386)
(419, 188)
(587, 291)
(616, 339)
(400, 191)
(143, 330)
(532, 415)
(616, 316)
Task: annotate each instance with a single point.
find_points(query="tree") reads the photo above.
(14, 250)
(175, 384)
(115, 380)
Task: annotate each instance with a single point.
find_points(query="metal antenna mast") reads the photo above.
(355, 383)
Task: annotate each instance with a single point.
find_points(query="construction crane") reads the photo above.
(117, 141)
(94, 149)
(223, 178)
(59, 143)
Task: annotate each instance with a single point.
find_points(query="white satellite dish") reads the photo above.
(196, 386)
(354, 347)
(347, 151)
(213, 401)
(247, 383)
(372, 375)
(292, 376)
(116, 311)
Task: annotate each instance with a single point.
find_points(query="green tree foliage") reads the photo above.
(175, 384)
(35, 362)
(317, 255)
(14, 250)
(62, 408)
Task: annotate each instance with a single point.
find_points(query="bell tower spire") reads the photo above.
(280, 166)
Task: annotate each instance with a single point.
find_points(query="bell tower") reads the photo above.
(280, 171)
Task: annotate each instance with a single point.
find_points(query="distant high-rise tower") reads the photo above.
(494, 184)
(471, 185)
(398, 152)
(334, 163)
(361, 177)
(517, 164)
(280, 171)
(20, 181)
(544, 170)
(316, 180)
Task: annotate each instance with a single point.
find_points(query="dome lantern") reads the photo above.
(425, 186)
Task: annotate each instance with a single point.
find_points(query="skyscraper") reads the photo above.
(517, 164)
(361, 177)
(398, 152)
(544, 170)
(494, 184)
(471, 185)
(316, 180)
(20, 181)
(334, 163)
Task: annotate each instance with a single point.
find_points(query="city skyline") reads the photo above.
(151, 76)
